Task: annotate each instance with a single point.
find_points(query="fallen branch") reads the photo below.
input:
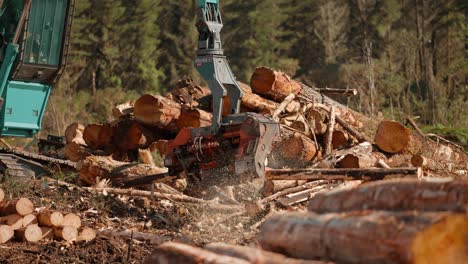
(339, 174)
(283, 106)
(292, 190)
(329, 135)
(138, 193)
(346, 92)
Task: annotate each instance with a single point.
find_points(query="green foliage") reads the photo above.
(457, 135)
(411, 53)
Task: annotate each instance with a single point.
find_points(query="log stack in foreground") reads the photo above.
(18, 221)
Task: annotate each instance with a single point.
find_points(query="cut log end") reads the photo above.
(29, 219)
(67, 233)
(31, 233)
(72, 219)
(6, 233)
(50, 219)
(443, 242)
(392, 137)
(87, 234)
(22, 206)
(273, 84)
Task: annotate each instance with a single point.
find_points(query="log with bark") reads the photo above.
(254, 255)
(298, 148)
(174, 253)
(31, 233)
(340, 174)
(271, 187)
(131, 135)
(74, 133)
(94, 167)
(124, 109)
(50, 219)
(392, 137)
(193, 117)
(368, 237)
(15, 221)
(67, 233)
(21, 206)
(157, 111)
(98, 136)
(188, 93)
(317, 120)
(395, 195)
(273, 84)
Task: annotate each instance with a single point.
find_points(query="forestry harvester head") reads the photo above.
(233, 146)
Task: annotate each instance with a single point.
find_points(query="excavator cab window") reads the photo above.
(44, 41)
(44, 35)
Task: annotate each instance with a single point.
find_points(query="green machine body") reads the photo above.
(34, 40)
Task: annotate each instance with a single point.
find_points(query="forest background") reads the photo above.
(405, 57)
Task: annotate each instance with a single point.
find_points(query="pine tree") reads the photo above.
(253, 36)
(139, 46)
(178, 39)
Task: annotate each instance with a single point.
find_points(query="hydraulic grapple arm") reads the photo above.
(212, 64)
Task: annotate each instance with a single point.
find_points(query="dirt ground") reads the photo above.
(166, 220)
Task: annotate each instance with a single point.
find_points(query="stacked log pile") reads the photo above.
(317, 132)
(391, 221)
(19, 221)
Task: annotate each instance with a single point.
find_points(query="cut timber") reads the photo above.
(425, 163)
(21, 206)
(339, 139)
(86, 234)
(75, 152)
(67, 233)
(74, 133)
(47, 233)
(6, 233)
(131, 135)
(273, 84)
(316, 120)
(193, 117)
(298, 147)
(383, 237)
(254, 255)
(188, 93)
(358, 160)
(256, 103)
(339, 174)
(98, 136)
(392, 137)
(94, 167)
(157, 111)
(174, 253)
(31, 233)
(29, 219)
(123, 109)
(395, 195)
(14, 220)
(2, 195)
(72, 219)
(271, 187)
(50, 219)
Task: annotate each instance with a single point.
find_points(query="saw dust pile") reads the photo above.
(340, 187)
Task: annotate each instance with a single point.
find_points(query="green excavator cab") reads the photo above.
(35, 37)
